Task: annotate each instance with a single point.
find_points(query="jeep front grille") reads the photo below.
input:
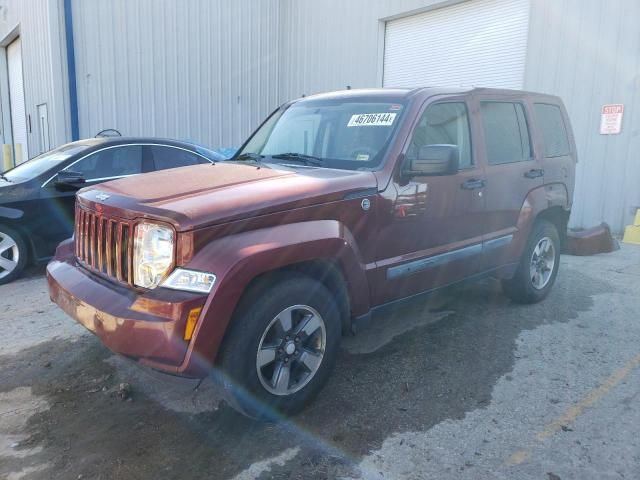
(104, 245)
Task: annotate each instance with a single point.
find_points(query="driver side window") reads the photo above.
(444, 123)
(110, 162)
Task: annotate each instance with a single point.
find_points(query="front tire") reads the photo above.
(281, 346)
(538, 266)
(13, 254)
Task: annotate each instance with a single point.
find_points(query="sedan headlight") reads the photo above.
(152, 254)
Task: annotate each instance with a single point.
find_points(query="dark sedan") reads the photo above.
(37, 197)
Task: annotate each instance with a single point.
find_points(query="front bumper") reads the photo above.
(147, 326)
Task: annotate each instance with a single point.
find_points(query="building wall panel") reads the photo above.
(40, 26)
(588, 53)
(200, 70)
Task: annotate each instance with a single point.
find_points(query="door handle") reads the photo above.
(534, 173)
(473, 183)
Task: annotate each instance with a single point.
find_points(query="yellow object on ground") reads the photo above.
(18, 149)
(632, 232)
(7, 158)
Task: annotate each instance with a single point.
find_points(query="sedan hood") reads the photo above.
(204, 195)
(14, 192)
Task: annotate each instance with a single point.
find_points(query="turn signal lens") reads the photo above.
(192, 319)
(190, 280)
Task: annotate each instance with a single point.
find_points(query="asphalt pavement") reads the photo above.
(465, 385)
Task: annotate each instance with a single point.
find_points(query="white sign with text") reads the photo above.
(611, 119)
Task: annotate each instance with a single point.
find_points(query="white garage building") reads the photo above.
(210, 70)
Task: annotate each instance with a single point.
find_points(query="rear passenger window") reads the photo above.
(554, 132)
(505, 132)
(169, 157)
(443, 123)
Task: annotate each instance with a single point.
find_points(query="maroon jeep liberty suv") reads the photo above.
(339, 204)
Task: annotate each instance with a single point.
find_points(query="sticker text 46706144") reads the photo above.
(372, 120)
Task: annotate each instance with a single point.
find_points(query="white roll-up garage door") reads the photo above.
(475, 43)
(16, 100)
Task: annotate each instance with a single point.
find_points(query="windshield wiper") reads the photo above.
(249, 156)
(300, 157)
(4, 178)
(256, 157)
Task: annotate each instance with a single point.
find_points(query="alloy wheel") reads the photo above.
(291, 350)
(9, 255)
(543, 260)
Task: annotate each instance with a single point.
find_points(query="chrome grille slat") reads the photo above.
(109, 248)
(104, 244)
(85, 237)
(119, 252)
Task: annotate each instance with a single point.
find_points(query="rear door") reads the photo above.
(512, 170)
(558, 153)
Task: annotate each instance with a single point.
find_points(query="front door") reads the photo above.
(107, 164)
(431, 226)
(513, 169)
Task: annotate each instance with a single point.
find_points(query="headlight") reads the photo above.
(152, 254)
(190, 280)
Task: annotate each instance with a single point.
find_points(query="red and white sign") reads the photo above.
(611, 119)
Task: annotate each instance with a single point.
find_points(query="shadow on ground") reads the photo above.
(420, 377)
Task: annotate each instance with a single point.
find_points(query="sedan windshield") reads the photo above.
(346, 134)
(44, 162)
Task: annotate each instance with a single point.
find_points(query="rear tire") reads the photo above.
(13, 254)
(538, 266)
(281, 346)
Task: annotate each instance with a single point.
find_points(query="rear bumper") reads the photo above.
(146, 326)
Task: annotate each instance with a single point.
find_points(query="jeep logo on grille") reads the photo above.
(102, 196)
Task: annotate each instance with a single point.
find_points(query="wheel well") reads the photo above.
(326, 271)
(559, 217)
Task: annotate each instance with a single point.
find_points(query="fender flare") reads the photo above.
(536, 202)
(238, 259)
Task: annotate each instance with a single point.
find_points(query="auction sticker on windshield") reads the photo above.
(372, 120)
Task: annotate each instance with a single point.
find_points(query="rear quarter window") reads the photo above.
(554, 131)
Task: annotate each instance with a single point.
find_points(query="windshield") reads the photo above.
(44, 162)
(345, 134)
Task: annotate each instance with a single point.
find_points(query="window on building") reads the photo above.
(505, 132)
(554, 131)
(169, 157)
(110, 162)
(444, 123)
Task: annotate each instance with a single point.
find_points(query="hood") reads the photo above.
(203, 195)
(17, 191)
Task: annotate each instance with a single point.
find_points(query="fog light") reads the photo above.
(192, 319)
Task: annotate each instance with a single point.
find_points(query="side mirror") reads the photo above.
(437, 159)
(67, 180)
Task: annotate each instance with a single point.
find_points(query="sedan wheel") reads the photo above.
(9, 255)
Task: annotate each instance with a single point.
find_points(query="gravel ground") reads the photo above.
(465, 385)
